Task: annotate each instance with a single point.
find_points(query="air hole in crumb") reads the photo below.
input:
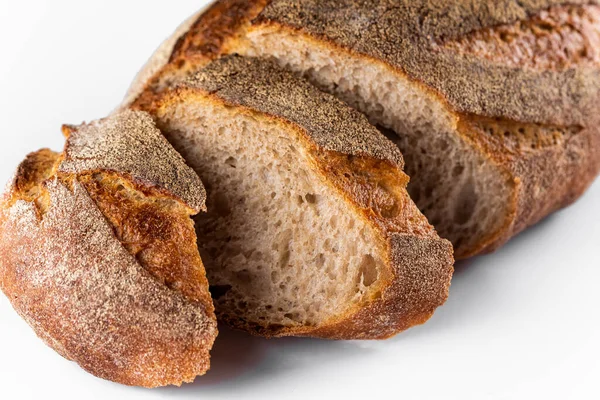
(218, 291)
(232, 162)
(458, 170)
(442, 145)
(311, 198)
(221, 205)
(367, 272)
(333, 221)
(275, 276)
(284, 259)
(465, 206)
(320, 260)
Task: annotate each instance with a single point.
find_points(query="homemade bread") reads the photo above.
(309, 230)
(492, 102)
(98, 253)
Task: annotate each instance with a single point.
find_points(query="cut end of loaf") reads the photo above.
(282, 250)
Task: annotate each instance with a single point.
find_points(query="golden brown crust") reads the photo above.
(361, 165)
(205, 37)
(36, 168)
(210, 34)
(159, 234)
(76, 285)
(107, 274)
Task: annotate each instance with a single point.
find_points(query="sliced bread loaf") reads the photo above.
(309, 230)
(491, 105)
(98, 253)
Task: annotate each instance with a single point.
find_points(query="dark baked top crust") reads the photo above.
(407, 34)
(129, 143)
(262, 86)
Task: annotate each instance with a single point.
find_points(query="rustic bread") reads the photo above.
(492, 103)
(98, 253)
(309, 230)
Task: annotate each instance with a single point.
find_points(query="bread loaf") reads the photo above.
(98, 253)
(309, 230)
(491, 103)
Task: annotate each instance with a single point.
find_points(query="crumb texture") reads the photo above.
(303, 197)
(275, 241)
(462, 193)
(262, 86)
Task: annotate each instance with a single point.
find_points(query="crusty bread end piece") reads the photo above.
(98, 253)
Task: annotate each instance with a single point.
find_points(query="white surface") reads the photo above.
(520, 324)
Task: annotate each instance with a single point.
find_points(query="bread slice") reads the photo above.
(309, 230)
(98, 253)
(493, 107)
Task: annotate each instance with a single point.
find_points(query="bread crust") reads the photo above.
(543, 178)
(342, 144)
(546, 173)
(406, 35)
(67, 273)
(158, 60)
(201, 39)
(265, 88)
(517, 95)
(129, 143)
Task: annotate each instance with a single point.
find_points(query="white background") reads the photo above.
(520, 324)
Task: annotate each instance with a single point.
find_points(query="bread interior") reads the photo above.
(463, 194)
(281, 246)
